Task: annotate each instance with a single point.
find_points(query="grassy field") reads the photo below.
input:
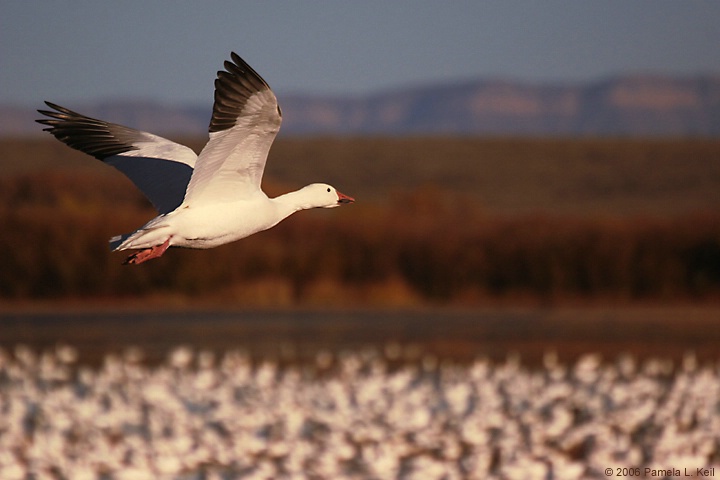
(440, 220)
(519, 175)
(610, 176)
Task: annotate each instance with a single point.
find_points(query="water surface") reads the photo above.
(301, 334)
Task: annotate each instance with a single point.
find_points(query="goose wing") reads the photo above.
(245, 121)
(161, 169)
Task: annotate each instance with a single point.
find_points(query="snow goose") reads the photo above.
(207, 200)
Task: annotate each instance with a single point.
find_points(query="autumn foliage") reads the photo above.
(440, 253)
(417, 244)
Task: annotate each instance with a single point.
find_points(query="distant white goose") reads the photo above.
(207, 200)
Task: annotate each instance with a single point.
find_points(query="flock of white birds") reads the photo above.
(359, 414)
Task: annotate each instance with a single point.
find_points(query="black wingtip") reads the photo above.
(54, 106)
(44, 121)
(89, 135)
(233, 87)
(45, 112)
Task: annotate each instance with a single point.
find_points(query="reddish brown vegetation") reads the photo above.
(425, 244)
(55, 244)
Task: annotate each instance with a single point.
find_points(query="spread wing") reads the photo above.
(161, 169)
(245, 120)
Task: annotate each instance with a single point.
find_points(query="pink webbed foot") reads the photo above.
(147, 254)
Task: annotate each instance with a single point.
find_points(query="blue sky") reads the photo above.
(79, 51)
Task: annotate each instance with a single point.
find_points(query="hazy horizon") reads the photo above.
(169, 51)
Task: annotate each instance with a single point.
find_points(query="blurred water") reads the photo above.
(296, 335)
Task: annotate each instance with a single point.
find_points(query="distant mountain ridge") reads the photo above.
(630, 105)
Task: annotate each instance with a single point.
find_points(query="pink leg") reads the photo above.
(147, 254)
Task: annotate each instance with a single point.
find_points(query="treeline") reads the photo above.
(425, 245)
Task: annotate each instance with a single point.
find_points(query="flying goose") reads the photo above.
(207, 200)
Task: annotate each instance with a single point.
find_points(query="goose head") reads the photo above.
(322, 195)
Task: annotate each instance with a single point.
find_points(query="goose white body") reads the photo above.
(208, 226)
(207, 200)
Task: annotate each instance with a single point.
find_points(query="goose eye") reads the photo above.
(328, 189)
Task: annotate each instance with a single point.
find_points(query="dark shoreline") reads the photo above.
(299, 335)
